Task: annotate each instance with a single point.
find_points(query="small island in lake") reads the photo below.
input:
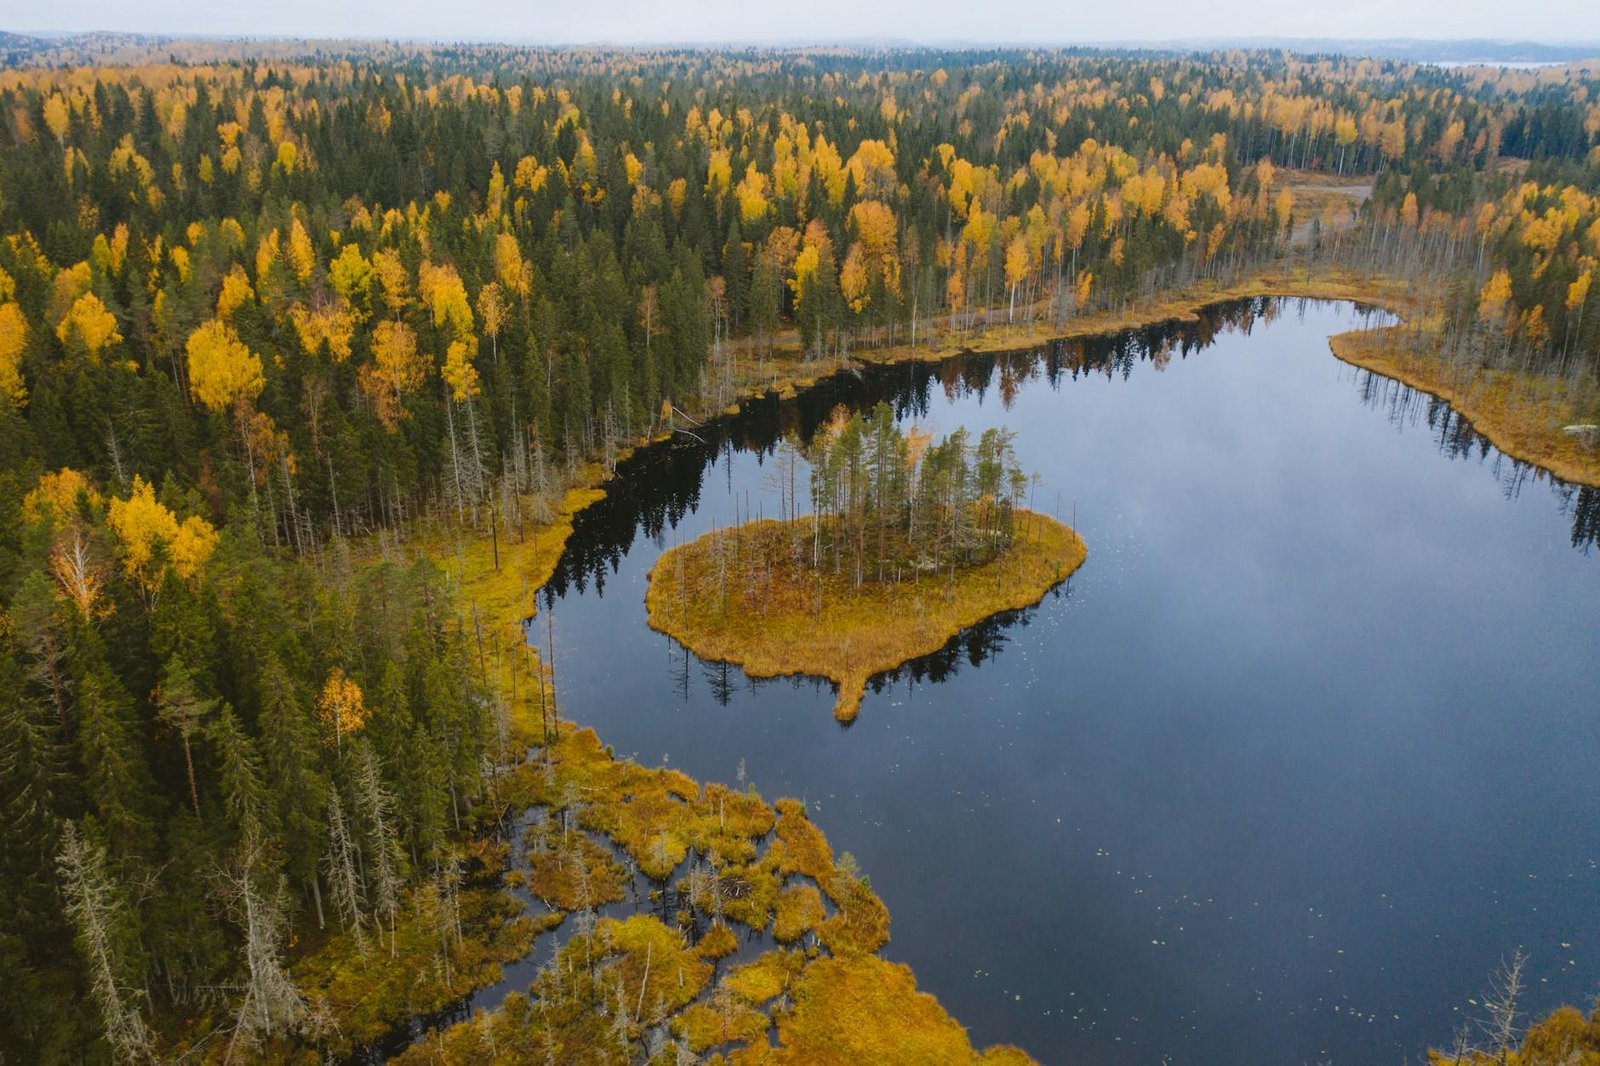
(907, 543)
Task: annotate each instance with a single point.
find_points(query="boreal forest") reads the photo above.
(284, 325)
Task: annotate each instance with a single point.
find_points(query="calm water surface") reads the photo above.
(1306, 746)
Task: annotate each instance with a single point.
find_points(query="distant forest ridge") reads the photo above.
(1406, 49)
(21, 49)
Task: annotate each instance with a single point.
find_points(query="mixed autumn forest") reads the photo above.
(283, 326)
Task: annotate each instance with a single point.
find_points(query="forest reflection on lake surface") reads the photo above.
(1301, 752)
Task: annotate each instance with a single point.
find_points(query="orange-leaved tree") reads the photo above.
(341, 706)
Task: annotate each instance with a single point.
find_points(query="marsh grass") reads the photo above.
(863, 1009)
(370, 987)
(764, 867)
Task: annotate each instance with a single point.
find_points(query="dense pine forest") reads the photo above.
(268, 312)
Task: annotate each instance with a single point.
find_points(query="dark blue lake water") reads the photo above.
(1303, 750)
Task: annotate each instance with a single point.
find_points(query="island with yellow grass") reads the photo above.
(907, 543)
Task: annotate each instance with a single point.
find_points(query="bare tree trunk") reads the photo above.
(343, 878)
(272, 1004)
(378, 807)
(94, 910)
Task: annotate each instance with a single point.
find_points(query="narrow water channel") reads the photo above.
(1306, 746)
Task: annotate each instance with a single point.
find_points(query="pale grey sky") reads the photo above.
(923, 21)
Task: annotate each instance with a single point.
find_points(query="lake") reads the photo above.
(1303, 750)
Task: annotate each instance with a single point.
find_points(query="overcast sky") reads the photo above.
(922, 21)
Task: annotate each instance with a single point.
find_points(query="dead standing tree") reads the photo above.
(95, 908)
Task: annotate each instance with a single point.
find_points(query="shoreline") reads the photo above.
(1522, 430)
(786, 372)
(1491, 410)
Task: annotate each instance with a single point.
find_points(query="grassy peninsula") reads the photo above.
(776, 625)
(908, 542)
(1525, 414)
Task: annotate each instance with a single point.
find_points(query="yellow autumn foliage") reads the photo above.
(266, 255)
(1494, 297)
(222, 370)
(853, 280)
(875, 226)
(397, 368)
(459, 373)
(1017, 263)
(331, 324)
(529, 175)
(236, 292)
(508, 264)
(341, 705)
(806, 265)
(302, 256)
(872, 166)
(752, 195)
(1577, 295)
(66, 287)
(88, 328)
(492, 308)
(56, 115)
(13, 341)
(56, 495)
(445, 297)
(829, 169)
(351, 276)
(719, 174)
(152, 538)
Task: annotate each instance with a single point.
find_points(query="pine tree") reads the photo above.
(297, 789)
(736, 272)
(184, 711)
(239, 776)
(44, 642)
(32, 776)
(117, 779)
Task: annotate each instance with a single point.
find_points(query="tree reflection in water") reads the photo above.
(1409, 408)
(657, 487)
